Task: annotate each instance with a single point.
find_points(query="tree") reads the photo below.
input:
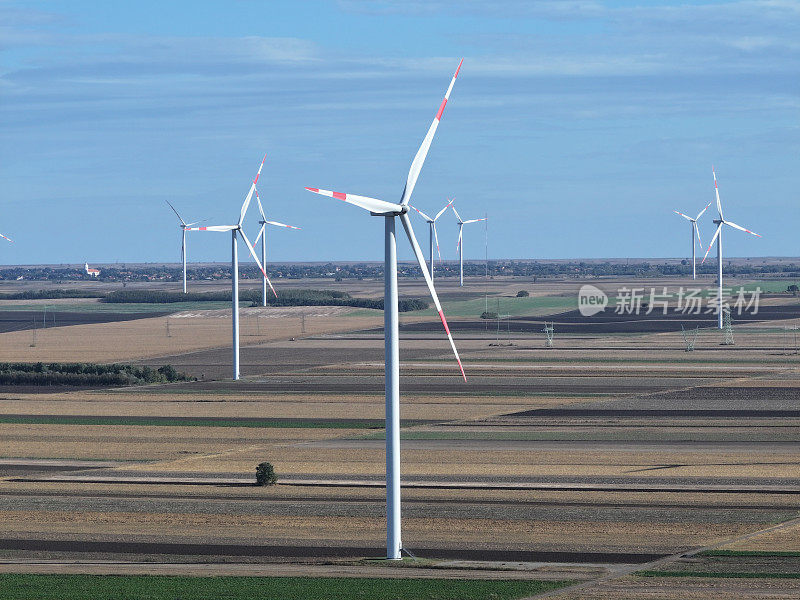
(522, 294)
(265, 474)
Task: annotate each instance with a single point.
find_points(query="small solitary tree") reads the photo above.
(265, 474)
(793, 289)
(522, 294)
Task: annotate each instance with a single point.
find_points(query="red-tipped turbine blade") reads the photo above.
(419, 159)
(281, 225)
(249, 196)
(716, 191)
(421, 260)
(702, 211)
(714, 239)
(258, 262)
(260, 208)
(422, 214)
(365, 202)
(258, 237)
(441, 212)
(740, 228)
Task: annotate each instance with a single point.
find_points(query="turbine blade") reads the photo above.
(458, 216)
(213, 228)
(460, 231)
(419, 159)
(249, 196)
(196, 222)
(713, 239)
(475, 220)
(702, 211)
(422, 214)
(421, 260)
(260, 208)
(370, 204)
(441, 212)
(740, 228)
(716, 191)
(697, 231)
(683, 215)
(6, 238)
(175, 211)
(258, 262)
(436, 238)
(281, 225)
(260, 233)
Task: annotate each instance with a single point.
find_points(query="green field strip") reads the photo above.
(200, 422)
(160, 587)
(718, 574)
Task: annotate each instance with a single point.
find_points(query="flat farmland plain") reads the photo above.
(608, 455)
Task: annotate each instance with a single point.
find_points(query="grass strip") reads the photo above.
(718, 575)
(749, 553)
(107, 587)
(198, 422)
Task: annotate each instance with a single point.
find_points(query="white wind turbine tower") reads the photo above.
(262, 235)
(460, 243)
(718, 237)
(236, 230)
(184, 226)
(432, 233)
(390, 211)
(695, 230)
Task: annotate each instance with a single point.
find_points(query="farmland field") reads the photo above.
(616, 459)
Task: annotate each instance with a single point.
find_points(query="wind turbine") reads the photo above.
(263, 236)
(695, 230)
(184, 225)
(390, 211)
(237, 230)
(432, 232)
(460, 243)
(718, 237)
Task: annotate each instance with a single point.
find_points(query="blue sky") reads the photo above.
(577, 125)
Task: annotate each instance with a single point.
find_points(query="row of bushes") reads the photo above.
(286, 297)
(55, 294)
(86, 374)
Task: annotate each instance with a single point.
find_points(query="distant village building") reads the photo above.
(91, 272)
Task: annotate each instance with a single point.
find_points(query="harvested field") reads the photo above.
(631, 448)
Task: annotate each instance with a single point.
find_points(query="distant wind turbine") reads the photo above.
(389, 211)
(237, 230)
(262, 235)
(695, 230)
(460, 243)
(718, 238)
(432, 233)
(184, 226)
